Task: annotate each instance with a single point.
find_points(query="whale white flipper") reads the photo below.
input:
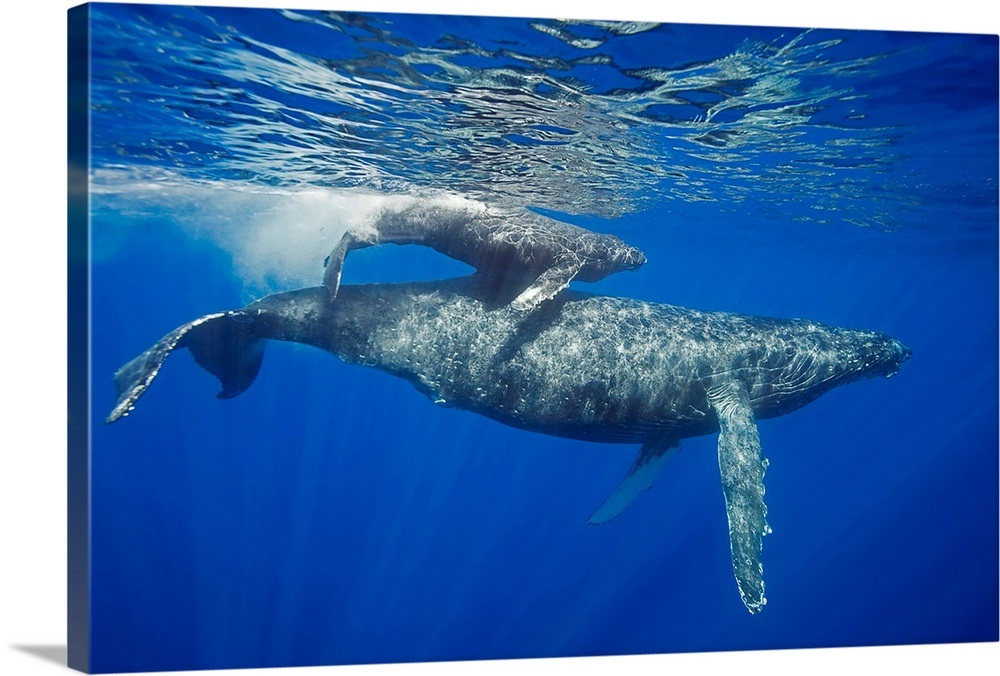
(335, 264)
(549, 283)
(742, 467)
(649, 461)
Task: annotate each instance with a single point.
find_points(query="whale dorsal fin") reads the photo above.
(549, 283)
(649, 461)
(742, 467)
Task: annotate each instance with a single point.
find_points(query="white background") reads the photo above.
(33, 310)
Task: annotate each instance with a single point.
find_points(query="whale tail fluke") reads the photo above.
(231, 349)
(226, 344)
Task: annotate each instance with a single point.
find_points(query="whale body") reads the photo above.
(582, 366)
(522, 255)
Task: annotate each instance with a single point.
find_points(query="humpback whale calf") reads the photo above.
(531, 257)
(583, 366)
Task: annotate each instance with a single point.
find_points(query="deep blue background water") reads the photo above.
(331, 514)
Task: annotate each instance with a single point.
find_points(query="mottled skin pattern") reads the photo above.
(524, 257)
(589, 367)
(582, 366)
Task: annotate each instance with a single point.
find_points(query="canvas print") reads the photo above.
(403, 338)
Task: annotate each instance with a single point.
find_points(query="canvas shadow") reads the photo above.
(50, 653)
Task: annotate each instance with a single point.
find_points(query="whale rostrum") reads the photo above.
(582, 366)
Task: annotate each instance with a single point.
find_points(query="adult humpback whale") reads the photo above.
(529, 257)
(583, 366)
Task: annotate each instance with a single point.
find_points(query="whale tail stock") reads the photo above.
(229, 345)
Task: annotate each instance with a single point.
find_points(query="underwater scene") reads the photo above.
(423, 338)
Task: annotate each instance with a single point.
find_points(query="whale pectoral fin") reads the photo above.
(335, 264)
(548, 284)
(225, 344)
(647, 465)
(742, 467)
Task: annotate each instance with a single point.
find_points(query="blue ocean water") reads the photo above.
(331, 514)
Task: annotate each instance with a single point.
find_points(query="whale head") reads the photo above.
(869, 354)
(629, 257)
(812, 358)
(615, 255)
